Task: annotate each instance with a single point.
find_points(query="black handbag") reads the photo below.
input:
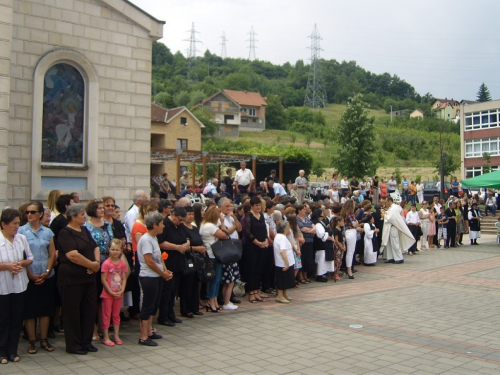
(205, 268)
(190, 266)
(227, 251)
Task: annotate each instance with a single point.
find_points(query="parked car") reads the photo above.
(430, 190)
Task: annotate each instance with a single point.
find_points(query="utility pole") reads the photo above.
(223, 52)
(315, 91)
(192, 74)
(251, 47)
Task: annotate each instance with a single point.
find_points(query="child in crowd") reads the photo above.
(114, 280)
(432, 228)
(442, 220)
(338, 245)
(370, 241)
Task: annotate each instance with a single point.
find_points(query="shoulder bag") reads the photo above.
(227, 251)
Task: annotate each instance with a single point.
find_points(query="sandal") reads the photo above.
(32, 347)
(13, 358)
(3, 360)
(44, 343)
(302, 281)
(254, 300)
(96, 338)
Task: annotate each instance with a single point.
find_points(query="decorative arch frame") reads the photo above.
(86, 174)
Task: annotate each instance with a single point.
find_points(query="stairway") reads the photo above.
(488, 223)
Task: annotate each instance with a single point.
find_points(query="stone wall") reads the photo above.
(119, 50)
(5, 47)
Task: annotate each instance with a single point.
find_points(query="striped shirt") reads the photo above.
(14, 252)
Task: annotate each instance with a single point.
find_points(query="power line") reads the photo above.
(315, 91)
(192, 73)
(223, 52)
(252, 47)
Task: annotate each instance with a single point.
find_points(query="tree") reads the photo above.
(483, 95)
(487, 166)
(275, 113)
(205, 117)
(164, 99)
(317, 169)
(356, 137)
(308, 139)
(449, 165)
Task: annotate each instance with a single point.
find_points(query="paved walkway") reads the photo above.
(438, 313)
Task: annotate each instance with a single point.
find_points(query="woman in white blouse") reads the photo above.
(15, 256)
(284, 262)
(424, 215)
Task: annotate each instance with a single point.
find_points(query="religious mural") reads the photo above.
(63, 116)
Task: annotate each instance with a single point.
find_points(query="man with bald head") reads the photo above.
(184, 202)
(132, 214)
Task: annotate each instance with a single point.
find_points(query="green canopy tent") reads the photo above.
(488, 180)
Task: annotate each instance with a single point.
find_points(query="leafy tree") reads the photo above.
(487, 159)
(164, 99)
(205, 117)
(449, 165)
(293, 138)
(182, 98)
(275, 113)
(483, 95)
(356, 137)
(195, 97)
(308, 139)
(397, 175)
(318, 169)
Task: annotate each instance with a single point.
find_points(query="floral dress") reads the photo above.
(102, 237)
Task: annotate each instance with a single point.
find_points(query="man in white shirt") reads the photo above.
(301, 184)
(413, 221)
(212, 189)
(392, 185)
(244, 180)
(280, 194)
(132, 214)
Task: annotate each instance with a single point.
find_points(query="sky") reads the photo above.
(447, 48)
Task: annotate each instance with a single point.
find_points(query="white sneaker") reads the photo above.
(230, 306)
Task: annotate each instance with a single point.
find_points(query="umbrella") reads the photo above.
(487, 180)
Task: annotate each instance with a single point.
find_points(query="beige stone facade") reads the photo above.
(109, 42)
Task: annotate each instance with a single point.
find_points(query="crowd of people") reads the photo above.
(77, 269)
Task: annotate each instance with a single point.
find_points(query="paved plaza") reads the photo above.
(438, 313)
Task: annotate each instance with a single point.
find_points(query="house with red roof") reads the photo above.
(235, 111)
(174, 128)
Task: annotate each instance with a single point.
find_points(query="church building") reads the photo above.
(75, 98)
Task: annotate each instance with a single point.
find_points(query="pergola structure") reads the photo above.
(166, 155)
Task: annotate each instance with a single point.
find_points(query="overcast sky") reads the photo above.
(447, 48)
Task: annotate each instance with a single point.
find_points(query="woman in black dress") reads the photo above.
(256, 244)
(79, 262)
(308, 230)
(189, 291)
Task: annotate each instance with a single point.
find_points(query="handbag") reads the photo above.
(227, 251)
(190, 266)
(205, 269)
(239, 288)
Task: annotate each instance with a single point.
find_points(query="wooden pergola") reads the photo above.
(167, 155)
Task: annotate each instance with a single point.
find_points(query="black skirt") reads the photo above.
(285, 279)
(40, 299)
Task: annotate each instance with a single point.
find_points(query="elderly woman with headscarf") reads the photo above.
(322, 246)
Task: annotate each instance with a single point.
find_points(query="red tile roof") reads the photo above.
(158, 114)
(246, 98)
(171, 113)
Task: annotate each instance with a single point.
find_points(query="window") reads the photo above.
(481, 120)
(251, 111)
(475, 148)
(228, 118)
(184, 121)
(182, 144)
(63, 133)
(477, 171)
(244, 120)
